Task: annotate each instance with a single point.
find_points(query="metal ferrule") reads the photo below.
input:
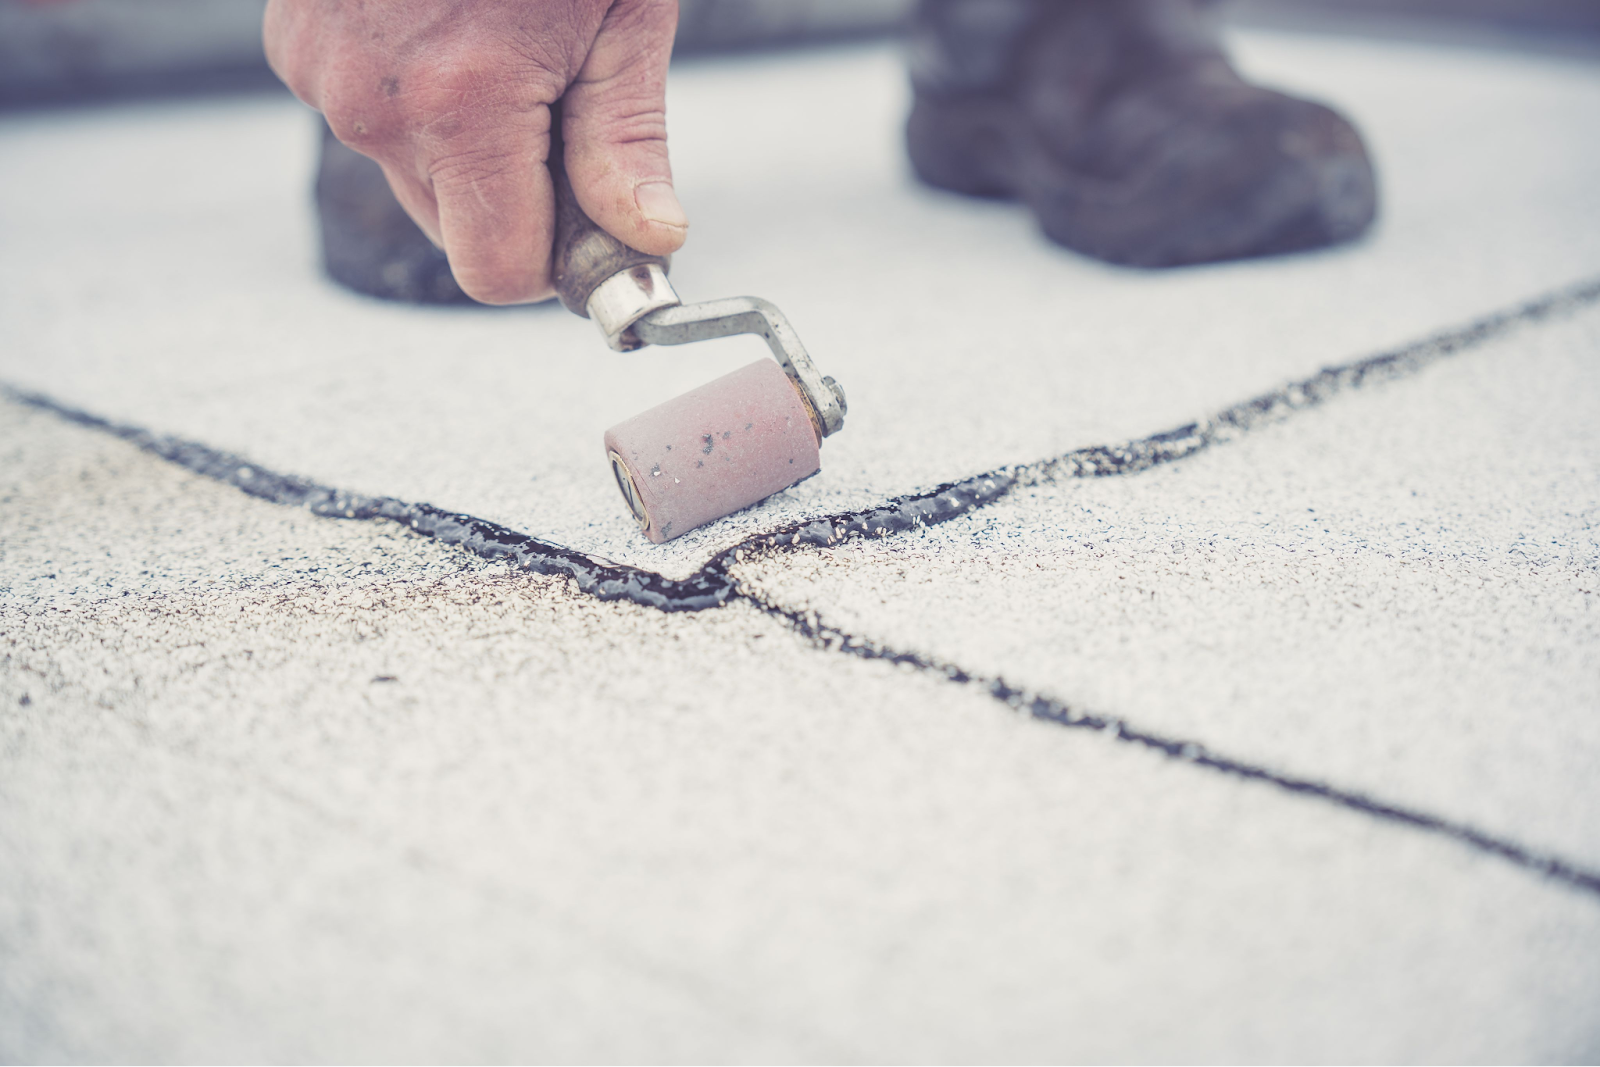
(625, 298)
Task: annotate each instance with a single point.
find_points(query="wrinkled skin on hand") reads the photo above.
(452, 98)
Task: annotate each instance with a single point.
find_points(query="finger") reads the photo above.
(614, 121)
(496, 212)
(416, 196)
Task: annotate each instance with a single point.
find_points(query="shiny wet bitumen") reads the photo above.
(713, 585)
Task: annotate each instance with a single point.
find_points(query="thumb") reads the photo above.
(614, 122)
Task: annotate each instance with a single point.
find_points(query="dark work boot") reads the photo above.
(369, 243)
(1124, 128)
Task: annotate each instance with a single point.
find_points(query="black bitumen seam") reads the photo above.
(713, 585)
(1048, 709)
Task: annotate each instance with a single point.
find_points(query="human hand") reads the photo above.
(453, 99)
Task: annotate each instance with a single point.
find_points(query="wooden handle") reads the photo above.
(584, 255)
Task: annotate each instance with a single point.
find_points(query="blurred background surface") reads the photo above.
(63, 50)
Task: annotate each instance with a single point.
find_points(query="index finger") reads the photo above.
(497, 212)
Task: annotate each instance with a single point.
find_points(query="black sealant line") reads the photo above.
(1047, 709)
(713, 585)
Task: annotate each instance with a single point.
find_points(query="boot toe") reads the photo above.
(369, 243)
(1228, 175)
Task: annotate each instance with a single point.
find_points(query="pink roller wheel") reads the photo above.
(714, 450)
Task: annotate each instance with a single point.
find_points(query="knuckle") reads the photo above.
(651, 18)
(474, 88)
(477, 102)
(636, 127)
(358, 109)
(499, 74)
(542, 60)
(618, 112)
(437, 102)
(473, 163)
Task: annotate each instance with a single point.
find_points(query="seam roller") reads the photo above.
(714, 450)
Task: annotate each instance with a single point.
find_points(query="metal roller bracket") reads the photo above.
(686, 323)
